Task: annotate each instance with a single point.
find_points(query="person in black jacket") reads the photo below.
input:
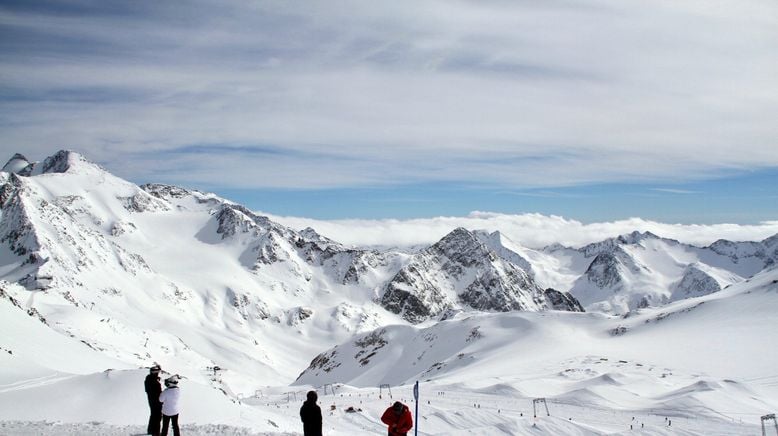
(310, 414)
(153, 389)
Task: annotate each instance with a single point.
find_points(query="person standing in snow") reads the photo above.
(398, 419)
(169, 399)
(310, 414)
(153, 389)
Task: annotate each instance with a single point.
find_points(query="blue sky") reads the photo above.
(595, 110)
(746, 198)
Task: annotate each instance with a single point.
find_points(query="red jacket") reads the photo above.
(399, 424)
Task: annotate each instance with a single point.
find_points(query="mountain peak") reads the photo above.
(458, 239)
(696, 281)
(636, 237)
(62, 161)
(459, 232)
(18, 164)
(464, 270)
(771, 241)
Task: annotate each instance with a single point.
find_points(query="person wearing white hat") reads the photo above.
(170, 410)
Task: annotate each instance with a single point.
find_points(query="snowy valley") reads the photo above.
(100, 278)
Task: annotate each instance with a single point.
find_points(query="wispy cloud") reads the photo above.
(675, 191)
(513, 94)
(540, 194)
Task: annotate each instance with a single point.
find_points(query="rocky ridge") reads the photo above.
(462, 271)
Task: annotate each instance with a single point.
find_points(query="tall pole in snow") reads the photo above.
(416, 398)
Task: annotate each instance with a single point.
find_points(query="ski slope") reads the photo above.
(596, 372)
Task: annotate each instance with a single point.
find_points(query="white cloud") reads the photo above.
(675, 191)
(519, 94)
(530, 230)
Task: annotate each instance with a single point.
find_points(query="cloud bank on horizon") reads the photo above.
(530, 230)
(286, 95)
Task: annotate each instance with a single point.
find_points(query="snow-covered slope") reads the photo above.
(400, 354)
(99, 274)
(180, 277)
(695, 355)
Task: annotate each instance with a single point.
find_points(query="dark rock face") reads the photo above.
(171, 193)
(369, 345)
(460, 270)
(6, 191)
(503, 291)
(233, 220)
(461, 249)
(415, 306)
(143, 202)
(608, 267)
(604, 271)
(361, 263)
(694, 283)
(315, 248)
(164, 192)
(562, 301)
(325, 362)
(16, 227)
(606, 246)
(58, 163)
(414, 292)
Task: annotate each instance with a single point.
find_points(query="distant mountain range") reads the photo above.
(145, 272)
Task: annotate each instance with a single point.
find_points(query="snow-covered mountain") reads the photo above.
(615, 358)
(641, 269)
(130, 270)
(161, 272)
(76, 236)
(98, 273)
(462, 270)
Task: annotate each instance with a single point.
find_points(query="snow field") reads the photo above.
(256, 302)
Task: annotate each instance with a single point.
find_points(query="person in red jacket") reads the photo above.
(398, 418)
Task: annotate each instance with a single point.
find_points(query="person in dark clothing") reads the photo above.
(153, 389)
(310, 414)
(398, 419)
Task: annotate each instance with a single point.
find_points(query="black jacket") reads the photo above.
(310, 414)
(153, 388)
